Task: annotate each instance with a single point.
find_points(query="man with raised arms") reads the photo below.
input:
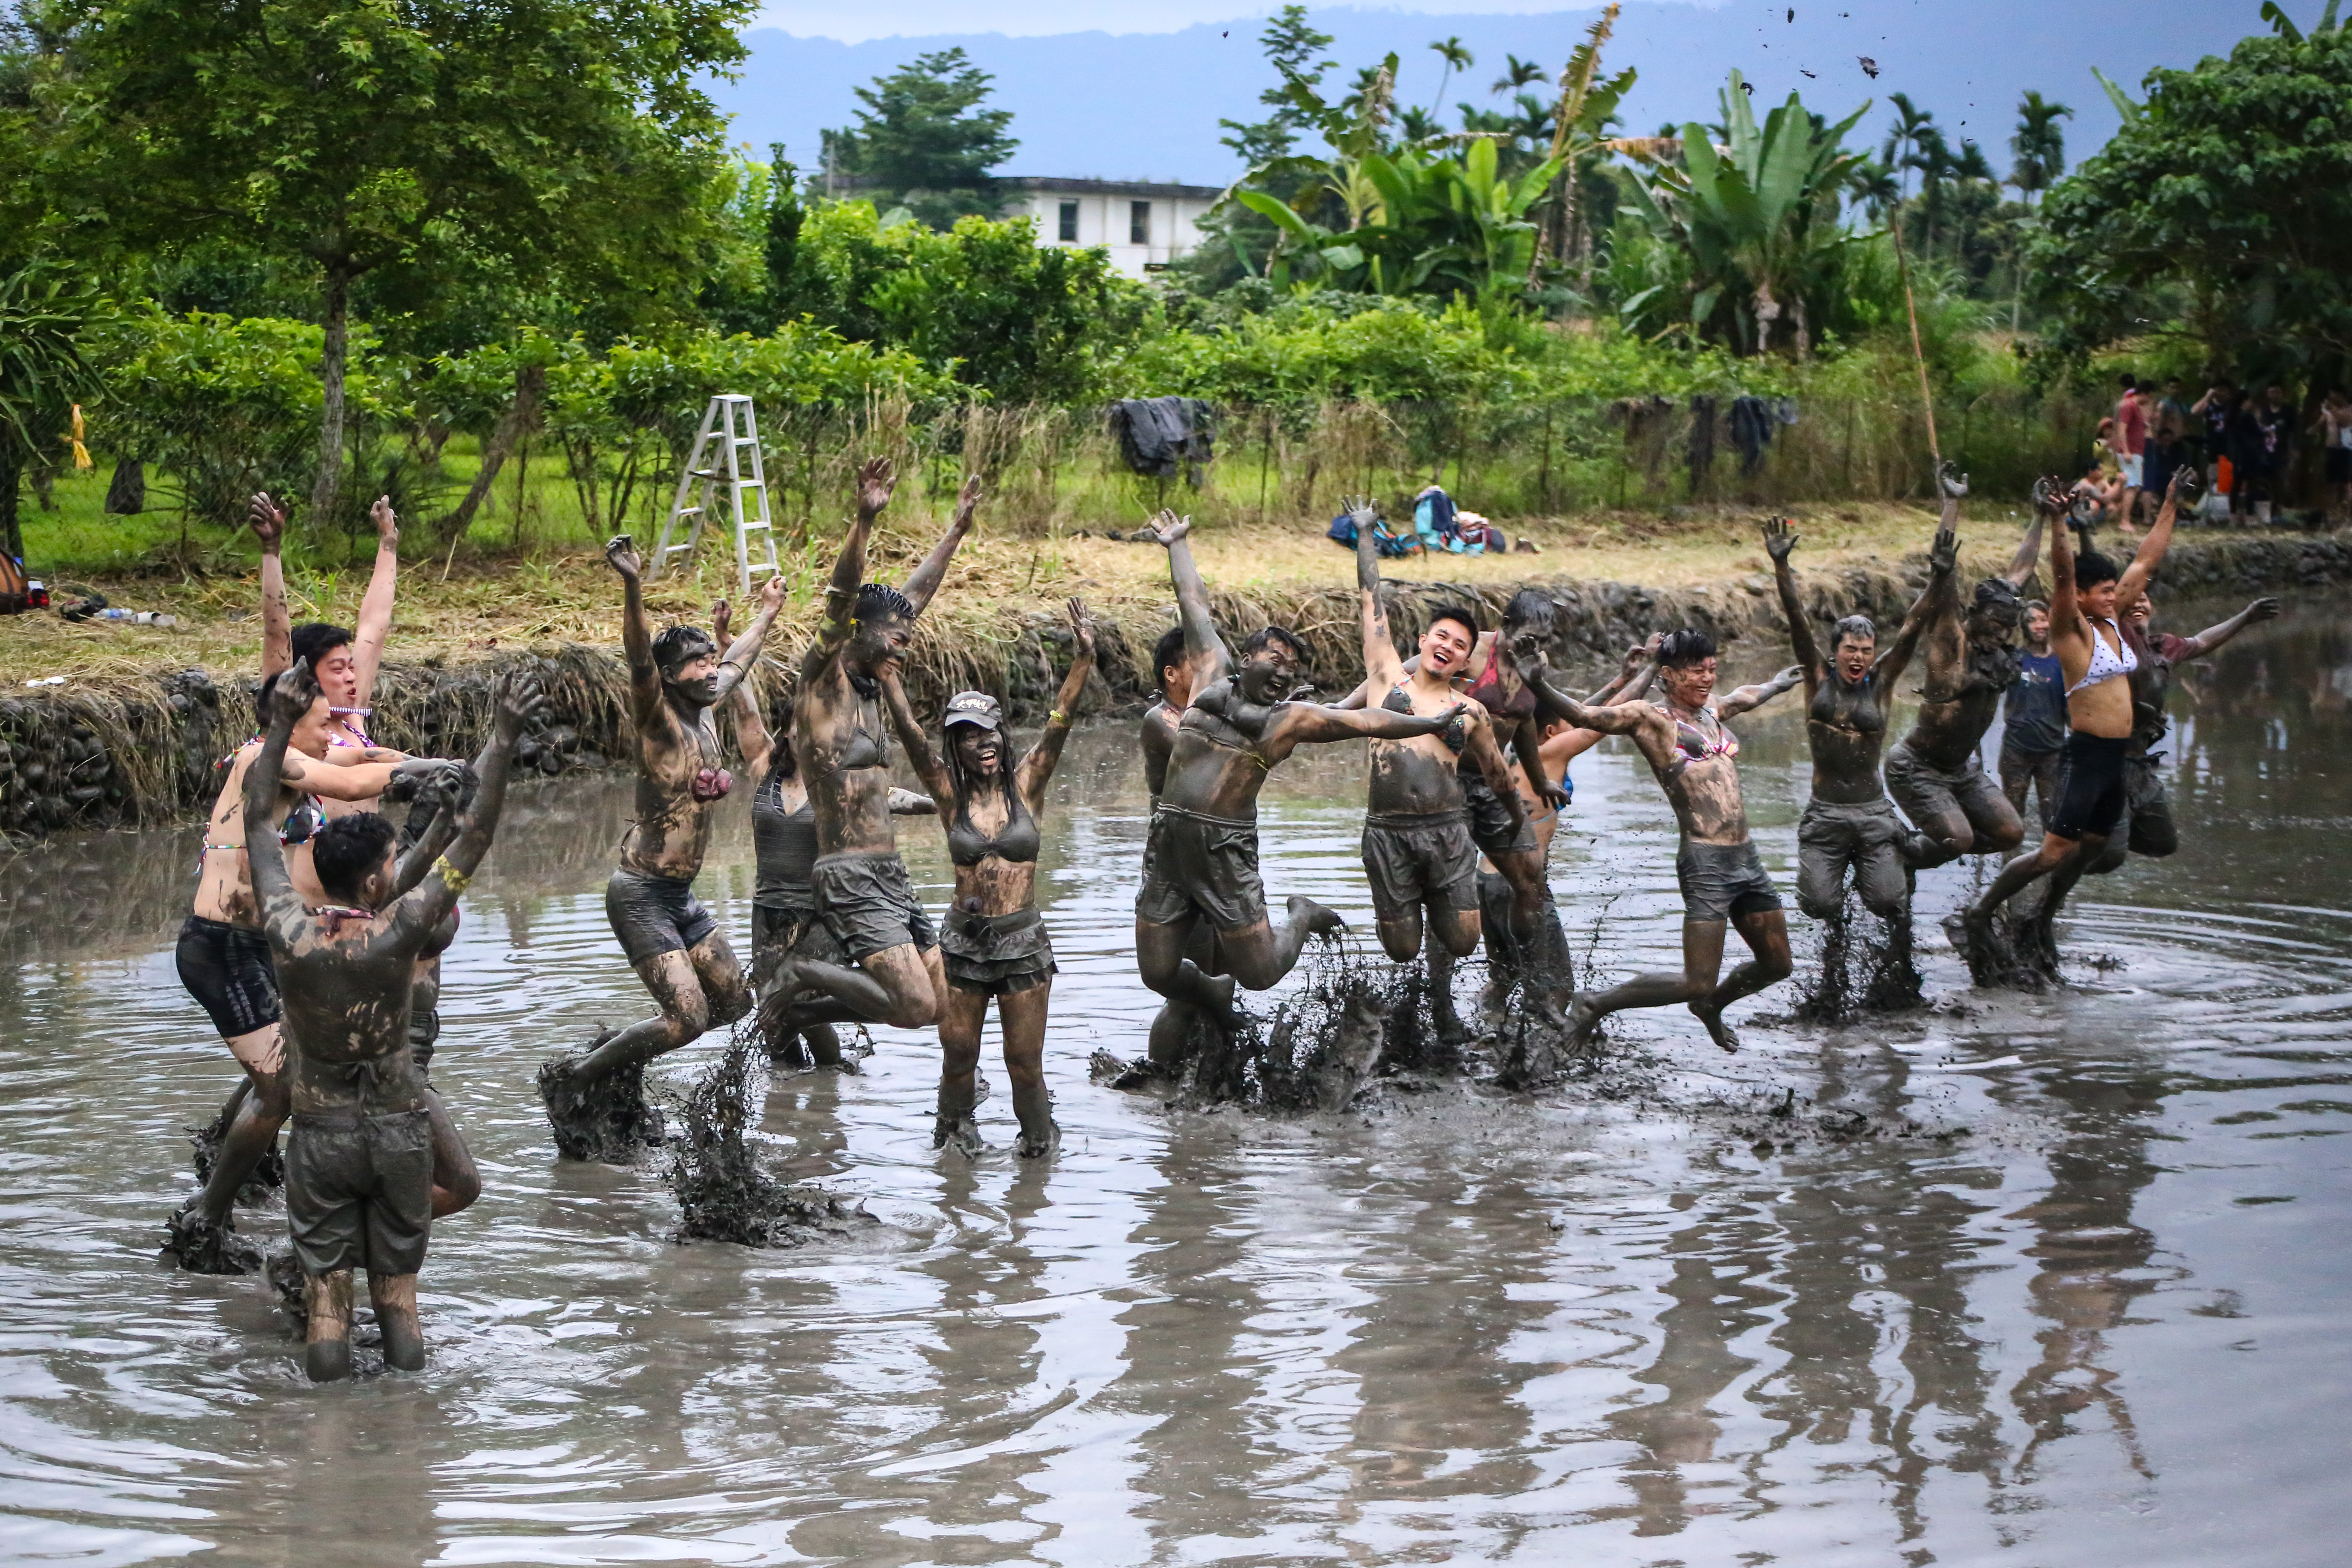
(360, 1166)
(1418, 852)
(1692, 754)
(840, 740)
(675, 682)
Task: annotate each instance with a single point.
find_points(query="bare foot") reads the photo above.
(1318, 921)
(1583, 1014)
(1222, 1010)
(960, 1133)
(1707, 1012)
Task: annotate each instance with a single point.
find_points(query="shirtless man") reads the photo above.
(839, 737)
(2088, 599)
(1934, 773)
(1200, 863)
(224, 957)
(2147, 828)
(1849, 826)
(1189, 655)
(675, 682)
(1418, 852)
(359, 1168)
(1723, 883)
(344, 663)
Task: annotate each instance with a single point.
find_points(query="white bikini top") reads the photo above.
(2106, 663)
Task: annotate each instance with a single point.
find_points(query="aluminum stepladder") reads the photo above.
(729, 428)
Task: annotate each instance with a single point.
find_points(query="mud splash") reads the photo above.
(268, 1175)
(1867, 965)
(723, 1195)
(608, 1122)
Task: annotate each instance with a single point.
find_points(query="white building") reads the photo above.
(1143, 225)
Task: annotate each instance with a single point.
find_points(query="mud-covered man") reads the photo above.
(359, 1168)
(1724, 884)
(675, 682)
(1419, 854)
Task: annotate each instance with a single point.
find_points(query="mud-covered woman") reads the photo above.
(2089, 598)
(892, 972)
(784, 843)
(675, 682)
(345, 663)
(1849, 831)
(224, 958)
(994, 940)
(1723, 883)
(1968, 661)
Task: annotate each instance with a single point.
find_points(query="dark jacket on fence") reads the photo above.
(1161, 435)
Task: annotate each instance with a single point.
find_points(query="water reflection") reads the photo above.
(2101, 1325)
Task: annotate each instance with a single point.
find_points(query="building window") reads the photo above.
(1069, 229)
(1138, 223)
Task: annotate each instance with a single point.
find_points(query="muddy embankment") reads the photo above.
(121, 751)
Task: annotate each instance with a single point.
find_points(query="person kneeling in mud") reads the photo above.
(1200, 862)
(1418, 852)
(994, 941)
(1723, 883)
(358, 1169)
(1848, 828)
(674, 682)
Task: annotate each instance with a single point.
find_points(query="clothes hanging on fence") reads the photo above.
(1159, 437)
(1700, 448)
(1751, 431)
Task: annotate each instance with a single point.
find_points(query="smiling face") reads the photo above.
(1853, 656)
(1446, 646)
(2037, 627)
(2140, 613)
(695, 681)
(978, 749)
(879, 640)
(1689, 685)
(338, 675)
(2099, 600)
(1269, 674)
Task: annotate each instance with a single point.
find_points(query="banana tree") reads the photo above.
(1587, 103)
(1758, 214)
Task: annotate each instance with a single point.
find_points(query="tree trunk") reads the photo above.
(12, 467)
(521, 418)
(332, 353)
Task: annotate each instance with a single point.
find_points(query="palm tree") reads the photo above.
(1457, 58)
(1517, 73)
(2040, 146)
(43, 313)
(1911, 125)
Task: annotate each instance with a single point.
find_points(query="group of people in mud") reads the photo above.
(315, 941)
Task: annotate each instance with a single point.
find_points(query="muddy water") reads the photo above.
(2102, 1323)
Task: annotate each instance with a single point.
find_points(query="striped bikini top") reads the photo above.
(2106, 663)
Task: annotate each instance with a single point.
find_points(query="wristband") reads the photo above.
(456, 880)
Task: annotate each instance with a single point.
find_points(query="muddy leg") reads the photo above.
(1160, 958)
(1022, 1015)
(1765, 931)
(457, 1182)
(327, 1357)
(394, 1296)
(1259, 955)
(959, 1024)
(685, 1014)
(252, 1134)
(899, 986)
(1702, 961)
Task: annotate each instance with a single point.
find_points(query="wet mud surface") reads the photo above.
(2050, 1279)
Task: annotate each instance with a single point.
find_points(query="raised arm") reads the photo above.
(442, 798)
(636, 639)
(2212, 638)
(520, 701)
(1779, 539)
(2150, 553)
(736, 663)
(2065, 613)
(920, 754)
(1382, 668)
(276, 629)
(874, 483)
(1954, 484)
(282, 914)
(1943, 564)
(1748, 698)
(1204, 650)
(375, 606)
(924, 580)
(1038, 767)
(752, 736)
(2028, 551)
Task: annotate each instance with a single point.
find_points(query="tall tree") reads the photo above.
(1457, 58)
(2039, 146)
(1296, 51)
(549, 138)
(924, 141)
(1908, 140)
(43, 314)
(1517, 73)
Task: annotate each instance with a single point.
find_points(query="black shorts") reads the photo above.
(359, 1192)
(1723, 882)
(1420, 858)
(870, 905)
(1490, 818)
(1195, 864)
(227, 970)
(996, 955)
(653, 915)
(2090, 788)
(793, 930)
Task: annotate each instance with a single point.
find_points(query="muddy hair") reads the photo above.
(1462, 614)
(1166, 654)
(1862, 628)
(1685, 648)
(1996, 591)
(1266, 636)
(2091, 569)
(877, 600)
(678, 645)
(782, 762)
(347, 849)
(314, 640)
(1529, 605)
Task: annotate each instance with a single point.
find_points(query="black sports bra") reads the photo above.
(1017, 840)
